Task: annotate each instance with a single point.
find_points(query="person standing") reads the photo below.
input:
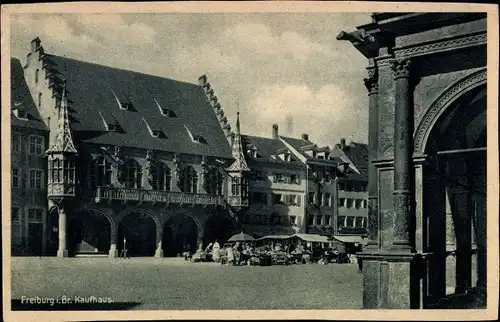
(230, 256)
(216, 251)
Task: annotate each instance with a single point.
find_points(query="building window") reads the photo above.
(235, 186)
(365, 203)
(311, 197)
(100, 172)
(292, 220)
(362, 187)
(350, 221)
(358, 203)
(341, 186)
(278, 177)
(328, 221)
(359, 222)
(132, 174)
(327, 200)
(294, 179)
(39, 99)
(16, 177)
(326, 177)
(215, 182)
(16, 143)
(311, 220)
(36, 144)
(342, 202)
(161, 177)
(35, 179)
(277, 198)
(16, 225)
(35, 215)
(349, 202)
(320, 198)
(340, 222)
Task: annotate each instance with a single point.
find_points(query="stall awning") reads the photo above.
(351, 239)
(312, 238)
(276, 237)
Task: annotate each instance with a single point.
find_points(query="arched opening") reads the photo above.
(137, 231)
(180, 234)
(454, 197)
(53, 238)
(88, 232)
(219, 228)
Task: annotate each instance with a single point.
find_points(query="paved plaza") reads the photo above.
(174, 284)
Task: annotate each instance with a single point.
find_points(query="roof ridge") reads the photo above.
(121, 69)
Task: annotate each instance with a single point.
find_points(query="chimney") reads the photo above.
(305, 136)
(35, 43)
(275, 131)
(342, 144)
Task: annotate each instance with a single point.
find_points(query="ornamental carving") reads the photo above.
(371, 84)
(178, 167)
(453, 92)
(372, 219)
(401, 68)
(473, 40)
(402, 222)
(150, 163)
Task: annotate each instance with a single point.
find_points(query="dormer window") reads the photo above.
(125, 105)
(154, 131)
(109, 122)
(20, 113)
(288, 157)
(165, 111)
(195, 137)
(168, 113)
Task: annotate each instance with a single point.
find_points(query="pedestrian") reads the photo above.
(360, 265)
(230, 256)
(216, 251)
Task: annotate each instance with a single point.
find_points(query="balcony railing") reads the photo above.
(157, 196)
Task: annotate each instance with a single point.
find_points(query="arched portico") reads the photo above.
(220, 228)
(181, 232)
(453, 199)
(139, 231)
(90, 230)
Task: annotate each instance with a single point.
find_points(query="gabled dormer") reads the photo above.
(109, 121)
(19, 111)
(154, 130)
(196, 138)
(124, 102)
(165, 111)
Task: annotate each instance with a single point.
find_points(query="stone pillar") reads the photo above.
(371, 84)
(481, 242)
(113, 250)
(403, 150)
(62, 251)
(159, 238)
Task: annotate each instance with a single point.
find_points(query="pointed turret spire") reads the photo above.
(63, 142)
(240, 163)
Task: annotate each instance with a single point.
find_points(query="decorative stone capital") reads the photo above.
(401, 68)
(371, 84)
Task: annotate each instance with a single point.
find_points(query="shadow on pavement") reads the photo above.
(17, 305)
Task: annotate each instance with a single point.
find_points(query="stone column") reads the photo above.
(371, 84)
(113, 251)
(403, 167)
(62, 251)
(159, 238)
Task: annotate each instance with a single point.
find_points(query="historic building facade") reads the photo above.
(427, 147)
(28, 179)
(126, 160)
(352, 189)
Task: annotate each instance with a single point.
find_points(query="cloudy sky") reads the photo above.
(283, 68)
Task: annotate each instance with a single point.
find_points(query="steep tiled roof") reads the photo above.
(96, 90)
(358, 154)
(22, 99)
(301, 144)
(266, 147)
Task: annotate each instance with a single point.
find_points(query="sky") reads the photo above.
(283, 68)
